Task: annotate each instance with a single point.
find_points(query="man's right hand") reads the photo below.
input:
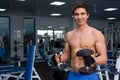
(58, 58)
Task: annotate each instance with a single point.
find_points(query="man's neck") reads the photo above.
(82, 27)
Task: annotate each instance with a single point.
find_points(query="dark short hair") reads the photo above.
(80, 4)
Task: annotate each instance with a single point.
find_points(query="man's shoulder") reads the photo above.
(95, 30)
(70, 32)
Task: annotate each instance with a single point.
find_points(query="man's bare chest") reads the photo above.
(83, 41)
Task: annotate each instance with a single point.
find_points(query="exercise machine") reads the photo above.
(116, 76)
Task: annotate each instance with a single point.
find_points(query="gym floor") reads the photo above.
(44, 70)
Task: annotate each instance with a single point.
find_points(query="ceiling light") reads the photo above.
(62, 27)
(111, 18)
(1, 9)
(55, 14)
(20, 0)
(57, 3)
(110, 9)
(50, 27)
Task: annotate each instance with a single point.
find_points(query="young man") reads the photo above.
(83, 37)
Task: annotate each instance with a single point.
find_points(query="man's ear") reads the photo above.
(88, 15)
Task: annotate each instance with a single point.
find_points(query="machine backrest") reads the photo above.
(2, 51)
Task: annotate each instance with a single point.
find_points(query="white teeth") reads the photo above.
(79, 21)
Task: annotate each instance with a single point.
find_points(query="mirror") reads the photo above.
(5, 35)
(46, 38)
(29, 33)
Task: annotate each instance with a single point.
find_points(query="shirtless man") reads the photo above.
(83, 36)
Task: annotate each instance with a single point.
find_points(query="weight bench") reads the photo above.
(2, 51)
(24, 73)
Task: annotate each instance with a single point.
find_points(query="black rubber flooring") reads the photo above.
(44, 71)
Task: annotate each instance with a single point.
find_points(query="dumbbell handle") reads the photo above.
(60, 64)
(59, 54)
